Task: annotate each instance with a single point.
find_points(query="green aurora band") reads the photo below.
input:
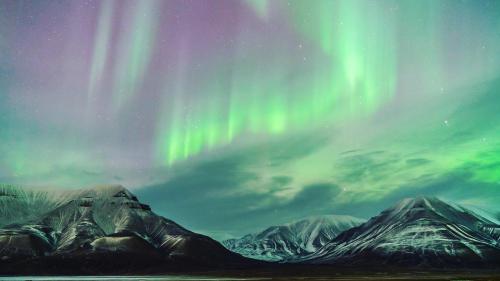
(357, 74)
(135, 49)
(101, 47)
(254, 103)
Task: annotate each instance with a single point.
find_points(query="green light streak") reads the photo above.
(136, 47)
(261, 7)
(101, 46)
(357, 77)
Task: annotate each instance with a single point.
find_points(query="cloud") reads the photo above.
(254, 187)
(314, 199)
(296, 147)
(205, 195)
(281, 181)
(228, 194)
(414, 162)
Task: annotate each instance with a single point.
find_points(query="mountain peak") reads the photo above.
(108, 190)
(290, 241)
(93, 224)
(416, 231)
(103, 192)
(427, 207)
(326, 218)
(420, 201)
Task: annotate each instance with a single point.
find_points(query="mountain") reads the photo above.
(290, 241)
(420, 232)
(96, 230)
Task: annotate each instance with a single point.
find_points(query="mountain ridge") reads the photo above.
(291, 240)
(422, 231)
(108, 230)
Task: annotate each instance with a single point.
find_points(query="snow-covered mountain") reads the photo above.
(290, 241)
(95, 223)
(419, 231)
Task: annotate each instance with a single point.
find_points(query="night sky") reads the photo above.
(227, 116)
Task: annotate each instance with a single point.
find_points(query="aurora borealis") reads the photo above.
(231, 115)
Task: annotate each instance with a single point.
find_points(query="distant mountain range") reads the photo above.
(108, 230)
(293, 240)
(96, 230)
(421, 231)
(416, 232)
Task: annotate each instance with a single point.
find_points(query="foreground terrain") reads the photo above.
(341, 277)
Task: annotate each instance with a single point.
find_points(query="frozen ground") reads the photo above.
(417, 276)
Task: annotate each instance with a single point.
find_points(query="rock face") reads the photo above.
(417, 232)
(294, 240)
(38, 228)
